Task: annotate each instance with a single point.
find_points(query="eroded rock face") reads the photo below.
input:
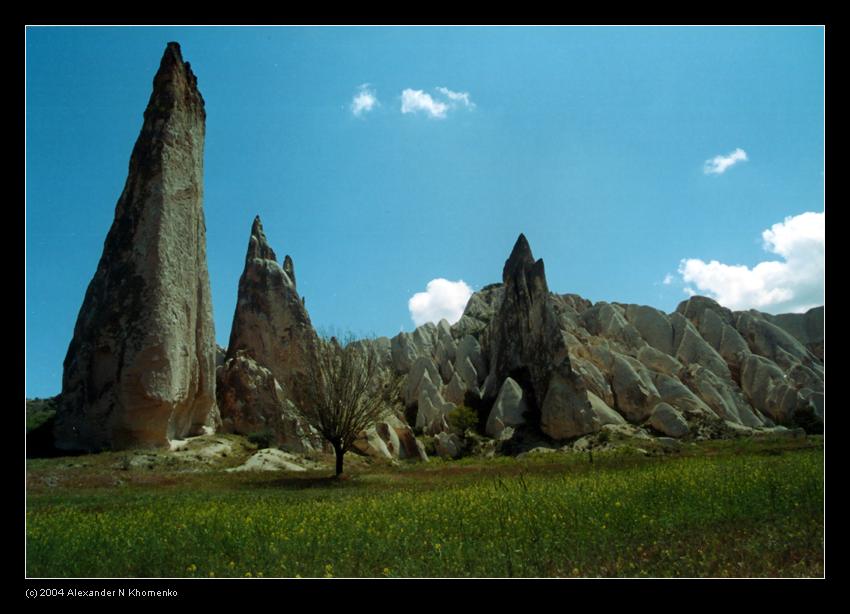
(271, 324)
(567, 411)
(668, 421)
(423, 369)
(390, 438)
(768, 340)
(508, 410)
(634, 392)
(603, 411)
(807, 328)
(140, 368)
(432, 409)
(526, 345)
(479, 311)
(653, 325)
(448, 445)
(703, 371)
(711, 366)
(252, 401)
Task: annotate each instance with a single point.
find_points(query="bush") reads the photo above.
(462, 418)
(806, 419)
(41, 416)
(429, 444)
(262, 439)
(40, 411)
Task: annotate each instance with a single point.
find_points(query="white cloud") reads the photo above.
(795, 284)
(413, 101)
(457, 97)
(718, 164)
(442, 299)
(364, 100)
(668, 279)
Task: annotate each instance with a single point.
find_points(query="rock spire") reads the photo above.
(527, 346)
(271, 324)
(140, 368)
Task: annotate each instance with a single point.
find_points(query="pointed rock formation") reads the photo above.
(271, 325)
(508, 410)
(526, 345)
(140, 368)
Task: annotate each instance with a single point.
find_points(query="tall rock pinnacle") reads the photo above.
(526, 345)
(270, 323)
(140, 368)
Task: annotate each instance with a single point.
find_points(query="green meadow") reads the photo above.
(744, 508)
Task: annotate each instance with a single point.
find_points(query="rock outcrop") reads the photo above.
(702, 371)
(526, 345)
(140, 368)
(390, 438)
(807, 328)
(448, 445)
(668, 421)
(253, 402)
(508, 410)
(271, 324)
(265, 377)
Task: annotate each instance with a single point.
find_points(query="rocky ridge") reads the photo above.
(702, 371)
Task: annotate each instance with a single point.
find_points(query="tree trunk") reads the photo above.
(339, 454)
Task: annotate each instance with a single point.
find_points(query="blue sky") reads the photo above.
(594, 142)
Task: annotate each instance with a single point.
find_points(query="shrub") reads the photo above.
(40, 411)
(462, 418)
(429, 444)
(262, 439)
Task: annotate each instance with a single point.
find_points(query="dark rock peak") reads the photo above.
(174, 117)
(522, 273)
(520, 259)
(289, 269)
(172, 64)
(174, 85)
(172, 56)
(526, 344)
(258, 246)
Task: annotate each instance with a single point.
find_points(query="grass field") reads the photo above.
(733, 508)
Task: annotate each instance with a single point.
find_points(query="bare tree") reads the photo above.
(350, 392)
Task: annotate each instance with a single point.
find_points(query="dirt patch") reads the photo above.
(270, 459)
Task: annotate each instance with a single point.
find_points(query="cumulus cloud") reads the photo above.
(794, 284)
(442, 299)
(718, 164)
(668, 279)
(414, 101)
(457, 97)
(364, 100)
